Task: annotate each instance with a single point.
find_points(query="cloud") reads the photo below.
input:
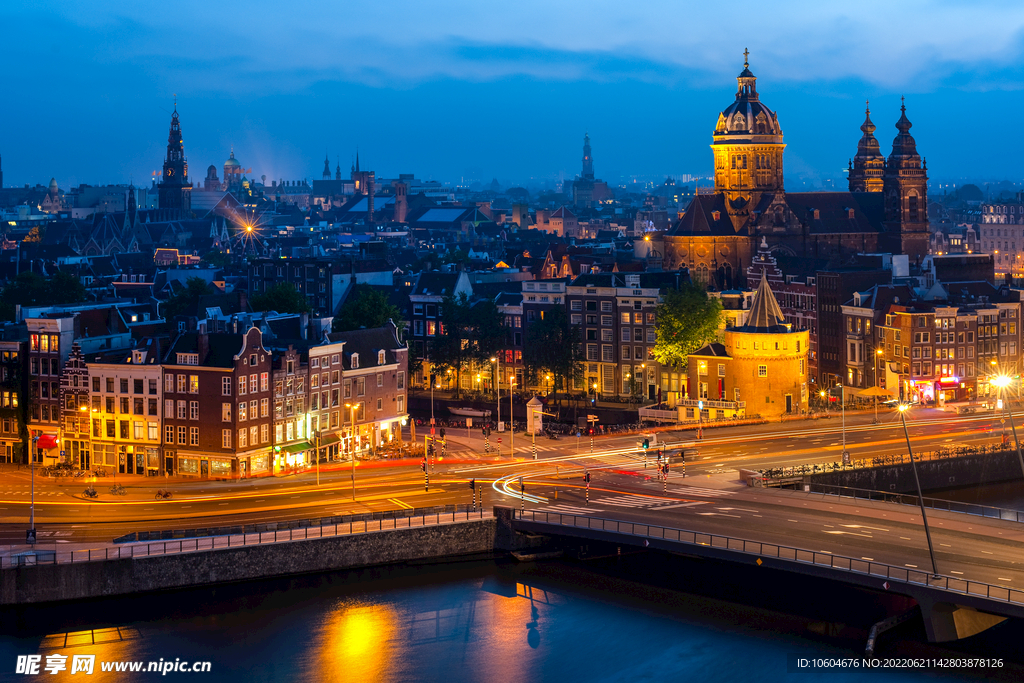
(912, 44)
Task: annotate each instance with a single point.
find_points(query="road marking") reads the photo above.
(904, 538)
(986, 552)
(185, 507)
(683, 505)
(719, 514)
(221, 503)
(945, 545)
(698, 491)
(400, 503)
(860, 526)
(147, 509)
(740, 509)
(849, 533)
(913, 566)
(294, 497)
(792, 520)
(869, 559)
(955, 572)
(633, 501)
(1001, 578)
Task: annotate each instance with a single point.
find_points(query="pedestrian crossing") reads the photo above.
(635, 501)
(567, 510)
(27, 493)
(698, 491)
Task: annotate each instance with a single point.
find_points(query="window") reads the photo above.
(193, 436)
(225, 438)
(721, 369)
(138, 429)
(361, 386)
(265, 407)
(152, 387)
(254, 435)
(225, 412)
(182, 410)
(124, 405)
(243, 409)
(401, 380)
(124, 386)
(168, 384)
(762, 370)
(264, 381)
(355, 361)
(168, 408)
(193, 410)
(169, 434)
(253, 384)
(182, 432)
(380, 404)
(264, 433)
(152, 407)
(225, 386)
(242, 385)
(380, 379)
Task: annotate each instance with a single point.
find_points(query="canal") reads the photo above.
(618, 618)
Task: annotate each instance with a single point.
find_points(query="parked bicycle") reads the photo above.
(163, 494)
(118, 490)
(90, 492)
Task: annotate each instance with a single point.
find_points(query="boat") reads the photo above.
(469, 412)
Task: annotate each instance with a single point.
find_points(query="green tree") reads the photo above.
(470, 334)
(32, 289)
(180, 303)
(218, 259)
(687, 320)
(366, 307)
(282, 297)
(553, 345)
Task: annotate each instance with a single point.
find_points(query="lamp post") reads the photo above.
(842, 394)
(920, 496)
(1003, 381)
(352, 407)
(496, 383)
(511, 419)
(878, 352)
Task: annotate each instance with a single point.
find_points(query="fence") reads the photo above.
(976, 509)
(781, 552)
(207, 543)
(768, 475)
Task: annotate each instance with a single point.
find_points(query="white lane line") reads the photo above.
(792, 520)
(684, 505)
(913, 566)
(860, 526)
(904, 538)
(955, 572)
(1001, 578)
(945, 545)
(986, 552)
(718, 514)
(849, 533)
(221, 503)
(869, 559)
(740, 509)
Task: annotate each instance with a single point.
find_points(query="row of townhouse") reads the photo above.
(205, 404)
(945, 347)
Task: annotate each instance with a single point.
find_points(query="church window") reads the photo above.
(913, 207)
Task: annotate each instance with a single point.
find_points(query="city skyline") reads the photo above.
(522, 98)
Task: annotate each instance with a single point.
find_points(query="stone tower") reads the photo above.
(174, 190)
(868, 166)
(905, 188)
(588, 159)
(748, 150)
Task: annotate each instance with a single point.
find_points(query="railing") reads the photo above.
(781, 552)
(770, 474)
(655, 414)
(724, 405)
(207, 543)
(976, 509)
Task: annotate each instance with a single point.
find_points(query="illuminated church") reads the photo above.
(716, 237)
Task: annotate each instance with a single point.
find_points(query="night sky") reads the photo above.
(461, 91)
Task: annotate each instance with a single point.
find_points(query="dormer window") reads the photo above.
(188, 359)
(381, 358)
(355, 361)
(716, 215)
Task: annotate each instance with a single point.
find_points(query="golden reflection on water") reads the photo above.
(358, 644)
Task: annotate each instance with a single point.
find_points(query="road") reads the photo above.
(63, 514)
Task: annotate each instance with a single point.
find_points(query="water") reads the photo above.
(1003, 495)
(487, 621)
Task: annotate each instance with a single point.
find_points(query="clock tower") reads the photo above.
(174, 190)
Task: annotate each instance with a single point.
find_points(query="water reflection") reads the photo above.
(357, 643)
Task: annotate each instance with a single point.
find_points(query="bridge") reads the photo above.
(879, 545)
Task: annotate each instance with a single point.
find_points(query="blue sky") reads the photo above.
(456, 89)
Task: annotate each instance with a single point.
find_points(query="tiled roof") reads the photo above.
(765, 314)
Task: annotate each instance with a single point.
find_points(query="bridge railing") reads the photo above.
(786, 553)
(770, 476)
(976, 509)
(42, 555)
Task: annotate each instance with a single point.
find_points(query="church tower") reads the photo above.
(868, 166)
(174, 190)
(905, 190)
(588, 159)
(327, 167)
(748, 150)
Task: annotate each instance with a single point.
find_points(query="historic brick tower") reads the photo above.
(174, 191)
(748, 150)
(905, 188)
(868, 166)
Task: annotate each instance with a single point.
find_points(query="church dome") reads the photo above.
(747, 115)
(232, 162)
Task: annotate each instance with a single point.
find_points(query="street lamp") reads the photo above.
(878, 352)
(903, 407)
(496, 382)
(1003, 381)
(352, 409)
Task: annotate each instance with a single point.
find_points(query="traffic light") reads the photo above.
(664, 468)
(442, 432)
(586, 477)
(647, 444)
(472, 484)
(423, 465)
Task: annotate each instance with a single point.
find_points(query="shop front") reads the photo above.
(205, 466)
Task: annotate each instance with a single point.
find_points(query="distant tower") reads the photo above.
(365, 183)
(905, 186)
(327, 167)
(588, 160)
(337, 172)
(212, 182)
(174, 190)
(868, 167)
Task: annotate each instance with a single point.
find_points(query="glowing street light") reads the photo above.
(1003, 381)
(903, 407)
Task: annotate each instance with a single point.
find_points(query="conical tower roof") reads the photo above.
(765, 316)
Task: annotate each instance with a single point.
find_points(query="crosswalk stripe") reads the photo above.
(567, 509)
(682, 505)
(634, 501)
(697, 491)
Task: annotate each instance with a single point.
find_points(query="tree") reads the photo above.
(366, 307)
(282, 297)
(687, 320)
(469, 333)
(554, 346)
(32, 289)
(218, 259)
(34, 235)
(180, 303)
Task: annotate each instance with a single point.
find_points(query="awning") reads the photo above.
(296, 447)
(327, 439)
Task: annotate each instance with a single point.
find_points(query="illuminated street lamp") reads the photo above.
(903, 407)
(352, 445)
(496, 383)
(1003, 381)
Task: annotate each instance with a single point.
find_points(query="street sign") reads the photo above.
(63, 453)
(431, 422)
(501, 427)
(431, 429)
(30, 535)
(469, 422)
(700, 405)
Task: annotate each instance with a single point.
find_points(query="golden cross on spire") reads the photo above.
(175, 100)
(746, 56)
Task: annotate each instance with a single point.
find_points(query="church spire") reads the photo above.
(588, 160)
(746, 81)
(868, 166)
(327, 166)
